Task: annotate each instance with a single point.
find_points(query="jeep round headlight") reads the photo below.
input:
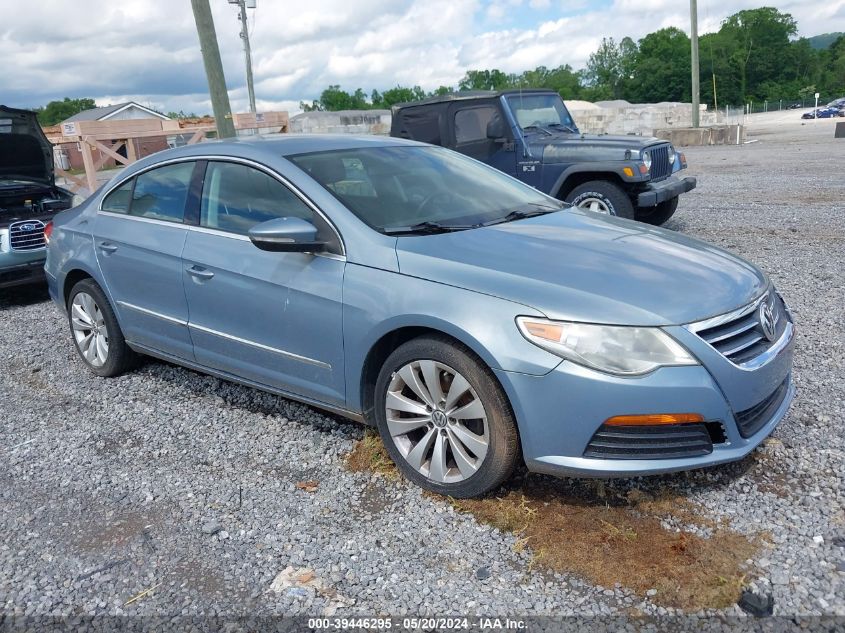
(647, 160)
(671, 154)
(614, 349)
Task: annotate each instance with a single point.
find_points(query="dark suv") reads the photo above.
(530, 134)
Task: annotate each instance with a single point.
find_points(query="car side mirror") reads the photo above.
(496, 129)
(286, 235)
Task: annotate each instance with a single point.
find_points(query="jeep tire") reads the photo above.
(602, 196)
(659, 214)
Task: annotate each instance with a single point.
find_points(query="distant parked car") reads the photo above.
(475, 321)
(29, 197)
(824, 113)
(837, 103)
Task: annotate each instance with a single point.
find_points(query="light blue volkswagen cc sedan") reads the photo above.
(475, 321)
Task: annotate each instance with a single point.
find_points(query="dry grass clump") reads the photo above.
(369, 455)
(608, 541)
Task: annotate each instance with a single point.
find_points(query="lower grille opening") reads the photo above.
(751, 420)
(664, 441)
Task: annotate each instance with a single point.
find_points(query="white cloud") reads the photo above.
(147, 50)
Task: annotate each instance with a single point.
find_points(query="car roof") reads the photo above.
(281, 145)
(471, 94)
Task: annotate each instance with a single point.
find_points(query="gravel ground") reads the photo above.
(171, 480)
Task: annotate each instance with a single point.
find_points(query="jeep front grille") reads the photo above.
(660, 167)
(741, 336)
(27, 235)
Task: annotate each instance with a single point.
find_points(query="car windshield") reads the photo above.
(418, 189)
(541, 111)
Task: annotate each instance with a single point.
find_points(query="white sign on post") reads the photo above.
(816, 111)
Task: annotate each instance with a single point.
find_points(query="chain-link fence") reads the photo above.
(777, 105)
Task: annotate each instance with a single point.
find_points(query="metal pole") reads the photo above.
(248, 55)
(696, 97)
(213, 69)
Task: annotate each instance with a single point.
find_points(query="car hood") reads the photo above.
(581, 266)
(25, 152)
(563, 146)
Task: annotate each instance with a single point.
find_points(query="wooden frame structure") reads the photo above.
(109, 137)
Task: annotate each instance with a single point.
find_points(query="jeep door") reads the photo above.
(273, 318)
(469, 123)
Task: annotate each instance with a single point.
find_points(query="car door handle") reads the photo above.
(200, 273)
(108, 247)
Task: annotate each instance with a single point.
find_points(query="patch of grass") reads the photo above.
(369, 455)
(627, 544)
(606, 538)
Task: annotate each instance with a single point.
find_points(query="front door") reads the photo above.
(139, 235)
(470, 126)
(272, 318)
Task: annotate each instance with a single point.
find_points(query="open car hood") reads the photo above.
(25, 152)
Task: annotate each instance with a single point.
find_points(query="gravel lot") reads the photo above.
(171, 480)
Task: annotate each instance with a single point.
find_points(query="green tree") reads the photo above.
(759, 45)
(57, 111)
(661, 69)
(396, 95)
(609, 70)
(485, 80)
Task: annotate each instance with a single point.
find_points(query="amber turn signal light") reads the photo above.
(653, 419)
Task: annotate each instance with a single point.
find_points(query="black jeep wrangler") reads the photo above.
(530, 134)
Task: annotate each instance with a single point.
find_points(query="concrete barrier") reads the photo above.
(716, 135)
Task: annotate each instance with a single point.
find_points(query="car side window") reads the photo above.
(118, 200)
(236, 197)
(471, 124)
(160, 194)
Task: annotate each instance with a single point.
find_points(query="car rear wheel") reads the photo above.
(602, 196)
(659, 214)
(96, 333)
(444, 419)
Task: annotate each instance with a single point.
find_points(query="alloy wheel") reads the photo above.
(89, 329)
(437, 421)
(595, 204)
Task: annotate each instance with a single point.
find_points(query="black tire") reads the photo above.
(610, 195)
(503, 450)
(659, 214)
(119, 357)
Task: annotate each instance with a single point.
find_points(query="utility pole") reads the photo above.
(696, 96)
(213, 69)
(247, 51)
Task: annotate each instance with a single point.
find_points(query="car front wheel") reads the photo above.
(444, 419)
(96, 333)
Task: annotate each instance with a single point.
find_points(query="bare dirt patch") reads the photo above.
(607, 539)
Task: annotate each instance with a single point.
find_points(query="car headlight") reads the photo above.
(647, 160)
(615, 349)
(671, 154)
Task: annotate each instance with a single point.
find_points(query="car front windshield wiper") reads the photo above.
(564, 126)
(427, 227)
(538, 127)
(533, 210)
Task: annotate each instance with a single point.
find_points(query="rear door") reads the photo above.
(272, 318)
(139, 234)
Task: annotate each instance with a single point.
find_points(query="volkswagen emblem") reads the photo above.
(768, 321)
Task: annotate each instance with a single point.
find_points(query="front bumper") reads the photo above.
(665, 190)
(560, 413)
(18, 274)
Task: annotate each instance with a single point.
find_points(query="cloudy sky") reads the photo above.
(147, 50)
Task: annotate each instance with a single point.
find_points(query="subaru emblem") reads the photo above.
(28, 227)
